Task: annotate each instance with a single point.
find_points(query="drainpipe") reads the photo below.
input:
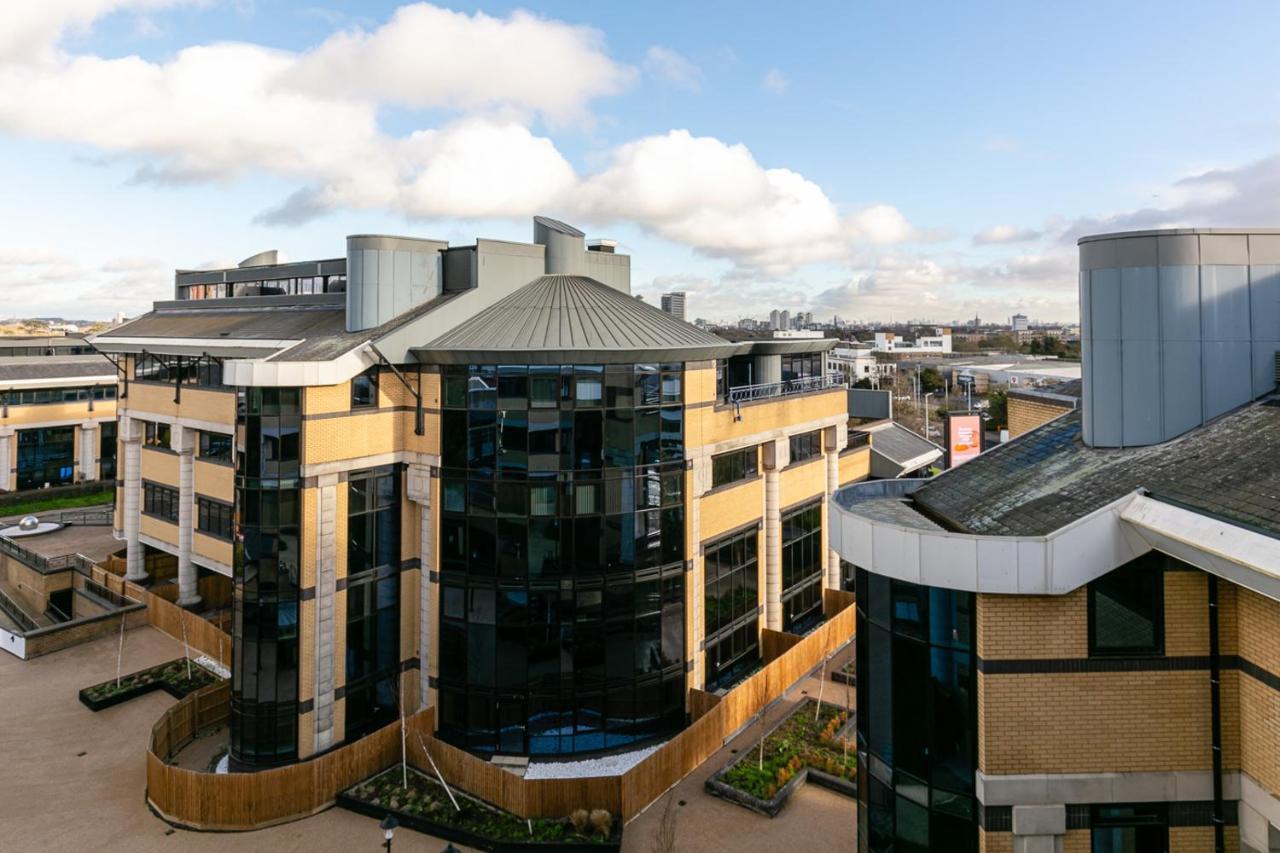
(1215, 704)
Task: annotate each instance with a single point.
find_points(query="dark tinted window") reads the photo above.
(1126, 609)
(364, 389)
(734, 466)
(806, 446)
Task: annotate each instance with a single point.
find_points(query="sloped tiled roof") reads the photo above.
(1048, 478)
(567, 317)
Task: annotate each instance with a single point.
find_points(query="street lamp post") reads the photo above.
(388, 826)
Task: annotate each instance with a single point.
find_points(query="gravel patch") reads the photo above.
(605, 765)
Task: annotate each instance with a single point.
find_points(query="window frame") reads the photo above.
(369, 379)
(1155, 563)
(810, 445)
(740, 472)
(209, 510)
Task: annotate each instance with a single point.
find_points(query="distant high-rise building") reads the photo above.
(673, 304)
(1019, 322)
(775, 319)
(784, 320)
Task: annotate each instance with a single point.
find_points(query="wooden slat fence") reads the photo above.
(251, 800)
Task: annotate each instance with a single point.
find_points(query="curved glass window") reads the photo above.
(561, 556)
(264, 671)
(917, 735)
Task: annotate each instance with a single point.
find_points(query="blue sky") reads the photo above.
(872, 160)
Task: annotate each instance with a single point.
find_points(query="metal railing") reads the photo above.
(803, 385)
(42, 564)
(15, 612)
(84, 517)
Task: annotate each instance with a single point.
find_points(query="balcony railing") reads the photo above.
(803, 385)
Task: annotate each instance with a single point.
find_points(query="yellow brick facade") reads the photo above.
(1025, 415)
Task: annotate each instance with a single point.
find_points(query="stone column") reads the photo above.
(701, 471)
(131, 437)
(774, 458)
(418, 490)
(182, 442)
(1039, 829)
(6, 459)
(89, 450)
(832, 446)
(326, 597)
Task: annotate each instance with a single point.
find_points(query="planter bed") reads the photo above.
(796, 750)
(170, 677)
(425, 807)
(846, 674)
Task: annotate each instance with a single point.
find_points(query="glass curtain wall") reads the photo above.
(802, 567)
(561, 556)
(46, 456)
(917, 736)
(732, 607)
(373, 599)
(264, 671)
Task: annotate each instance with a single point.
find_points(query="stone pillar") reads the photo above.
(1039, 829)
(832, 448)
(89, 450)
(701, 477)
(418, 490)
(182, 442)
(131, 437)
(774, 458)
(326, 596)
(6, 459)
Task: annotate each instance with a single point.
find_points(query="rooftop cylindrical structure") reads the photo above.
(566, 246)
(1177, 327)
(387, 276)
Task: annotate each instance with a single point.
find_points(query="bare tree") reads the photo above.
(664, 834)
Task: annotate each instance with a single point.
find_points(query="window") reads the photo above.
(215, 447)
(1126, 609)
(214, 517)
(265, 571)
(732, 600)
(1142, 828)
(107, 450)
(201, 371)
(45, 456)
(734, 466)
(801, 365)
(160, 501)
(805, 446)
(43, 396)
(802, 567)
(156, 435)
(373, 598)
(364, 389)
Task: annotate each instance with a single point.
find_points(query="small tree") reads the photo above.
(931, 380)
(998, 407)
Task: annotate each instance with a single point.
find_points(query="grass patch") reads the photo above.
(425, 799)
(35, 505)
(801, 741)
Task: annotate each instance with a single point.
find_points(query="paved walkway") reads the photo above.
(814, 819)
(74, 780)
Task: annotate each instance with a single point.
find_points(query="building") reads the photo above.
(35, 346)
(1019, 323)
(939, 343)
(1068, 642)
(57, 415)
(482, 478)
(673, 304)
(856, 362)
(775, 319)
(1030, 407)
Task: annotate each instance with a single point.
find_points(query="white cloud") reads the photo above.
(1006, 234)
(429, 57)
(43, 282)
(33, 27)
(775, 82)
(672, 68)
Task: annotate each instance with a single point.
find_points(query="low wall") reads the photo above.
(42, 641)
(201, 635)
(251, 800)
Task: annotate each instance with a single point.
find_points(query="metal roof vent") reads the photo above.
(269, 258)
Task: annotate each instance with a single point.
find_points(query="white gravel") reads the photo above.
(213, 666)
(606, 765)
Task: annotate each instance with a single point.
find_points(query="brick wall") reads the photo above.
(1025, 415)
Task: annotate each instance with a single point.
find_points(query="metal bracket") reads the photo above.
(418, 427)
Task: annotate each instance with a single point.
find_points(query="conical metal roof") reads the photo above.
(571, 318)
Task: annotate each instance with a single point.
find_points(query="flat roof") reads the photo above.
(1165, 232)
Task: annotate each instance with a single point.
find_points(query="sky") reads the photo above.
(876, 161)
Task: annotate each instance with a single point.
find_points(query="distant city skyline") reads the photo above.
(821, 165)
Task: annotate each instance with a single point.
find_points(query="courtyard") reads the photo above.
(75, 778)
